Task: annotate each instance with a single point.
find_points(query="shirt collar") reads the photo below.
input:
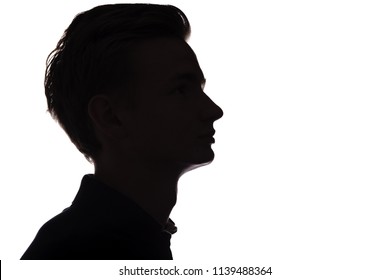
(95, 196)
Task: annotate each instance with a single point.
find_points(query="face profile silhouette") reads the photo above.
(172, 120)
(141, 116)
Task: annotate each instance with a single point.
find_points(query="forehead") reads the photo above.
(164, 59)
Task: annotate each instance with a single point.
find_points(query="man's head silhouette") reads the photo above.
(119, 52)
(128, 90)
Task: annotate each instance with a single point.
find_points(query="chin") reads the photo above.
(202, 156)
(197, 158)
(192, 166)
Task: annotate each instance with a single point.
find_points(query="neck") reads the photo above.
(152, 186)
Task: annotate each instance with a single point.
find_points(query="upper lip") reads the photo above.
(209, 133)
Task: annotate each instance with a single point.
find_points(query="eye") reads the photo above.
(180, 91)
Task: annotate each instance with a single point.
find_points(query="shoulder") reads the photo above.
(57, 236)
(77, 235)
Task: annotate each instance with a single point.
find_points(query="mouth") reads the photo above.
(208, 134)
(207, 137)
(208, 140)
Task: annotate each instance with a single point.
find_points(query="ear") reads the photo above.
(102, 112)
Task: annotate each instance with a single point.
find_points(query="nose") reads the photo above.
(210, 110)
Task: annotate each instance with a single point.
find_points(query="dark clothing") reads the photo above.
(101, 224)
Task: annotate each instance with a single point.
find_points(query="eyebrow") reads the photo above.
(189, 76)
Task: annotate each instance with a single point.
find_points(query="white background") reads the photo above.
(301, 175)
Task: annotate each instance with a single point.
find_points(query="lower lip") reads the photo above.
(208, 139)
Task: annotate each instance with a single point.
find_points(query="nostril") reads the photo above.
(211, 114)
(211, 111)
(221, 113)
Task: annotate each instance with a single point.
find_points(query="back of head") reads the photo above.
(89, 60)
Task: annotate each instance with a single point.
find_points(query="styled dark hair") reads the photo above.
(85, 60)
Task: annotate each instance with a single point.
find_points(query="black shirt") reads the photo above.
(101, 224)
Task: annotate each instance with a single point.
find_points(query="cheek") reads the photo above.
(166, 130)
(176, 134)
(175, 123)
(159, 130)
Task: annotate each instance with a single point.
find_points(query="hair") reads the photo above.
(86, 58)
